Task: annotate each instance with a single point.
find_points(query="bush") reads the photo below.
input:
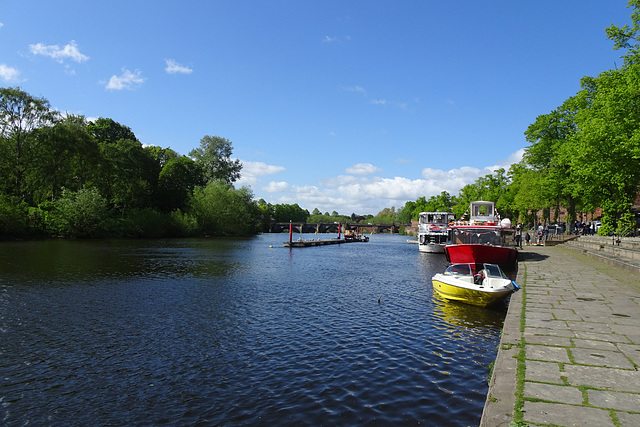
(181, 224)
(145, 222)
(13, 217)
(82, 213)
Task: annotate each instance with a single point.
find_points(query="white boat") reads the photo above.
(432, 231)
(474, 283)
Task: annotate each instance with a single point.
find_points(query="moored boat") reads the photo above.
(479, 284)
(484, 238)
(432, 231)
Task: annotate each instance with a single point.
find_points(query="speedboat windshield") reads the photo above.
(488, 270)
(459, 269)
(493, 270)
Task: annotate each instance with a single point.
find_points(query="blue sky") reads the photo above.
(350, 106)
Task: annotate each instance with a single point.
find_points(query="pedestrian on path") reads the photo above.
(527, 238)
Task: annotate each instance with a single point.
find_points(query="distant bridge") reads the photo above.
(332, 227)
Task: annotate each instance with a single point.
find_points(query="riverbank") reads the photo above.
(570, 349)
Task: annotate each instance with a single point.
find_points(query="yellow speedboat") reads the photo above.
(475, 284)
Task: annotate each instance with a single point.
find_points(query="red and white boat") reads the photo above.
(484, 238)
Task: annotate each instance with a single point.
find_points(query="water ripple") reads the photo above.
(233, 332)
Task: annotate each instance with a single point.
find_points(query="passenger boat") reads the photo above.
(432, 231)
(474, 283)
(484, 238)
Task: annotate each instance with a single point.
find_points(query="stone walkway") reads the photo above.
(570, 349)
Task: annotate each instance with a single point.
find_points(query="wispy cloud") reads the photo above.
(356, 89)
(174, 68)
(9, 74)
(362, 169)
(375, 101)
(68, 51)
(335, 39)
(126, 80)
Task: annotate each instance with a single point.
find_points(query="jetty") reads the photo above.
(570, 347)
(321, 242)
(350, 236)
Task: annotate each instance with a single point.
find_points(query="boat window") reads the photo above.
(482, 210)
(462, 269)
(493, 270)
(473, 235)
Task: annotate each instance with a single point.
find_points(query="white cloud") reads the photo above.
(69, 51)
(328, 39)
(378, 101)
(127, 80)
(362, 169)
(173, 67)
(348, 194)
(251, 171)
(276, 187)
(9, 74)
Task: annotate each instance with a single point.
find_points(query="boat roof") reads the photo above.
(437, 213)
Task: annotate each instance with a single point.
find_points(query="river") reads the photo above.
(236, 332)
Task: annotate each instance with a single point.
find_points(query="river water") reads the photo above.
(236, 332)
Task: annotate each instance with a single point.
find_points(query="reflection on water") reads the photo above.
(244, 331)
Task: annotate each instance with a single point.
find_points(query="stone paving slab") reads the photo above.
(576, 332)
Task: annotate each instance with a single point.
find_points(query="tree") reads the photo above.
(214, 156)
(127, 175)
(316, 211)
(221, 210)
(20, 116)
(64, 157)
(286, 213)
(178, 178)
(626, 37)
(108, 130)
(161, 155)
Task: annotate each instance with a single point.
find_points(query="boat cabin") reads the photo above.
(482, 212)
(443, 218)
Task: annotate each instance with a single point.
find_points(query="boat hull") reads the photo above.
(478, 253)
(477, 297)
(431, 248)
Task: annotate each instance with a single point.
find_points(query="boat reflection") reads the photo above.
(460, 315)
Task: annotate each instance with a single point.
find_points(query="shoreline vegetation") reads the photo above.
(64, 176)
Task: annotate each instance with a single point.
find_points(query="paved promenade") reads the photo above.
(570, 349)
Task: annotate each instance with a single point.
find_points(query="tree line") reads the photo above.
(61, 175)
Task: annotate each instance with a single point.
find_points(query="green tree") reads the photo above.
(65, 157)
(177, 180)
(161, 155)
(286, 213)
(108, 130)
(20, 116)
(214, 155)
(221, 210)
(127, 175)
